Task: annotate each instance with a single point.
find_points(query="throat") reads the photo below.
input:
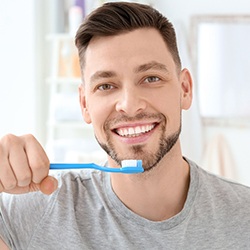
(158, 209)
(154, 198)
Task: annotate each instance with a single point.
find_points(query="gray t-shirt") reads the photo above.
(85, 213)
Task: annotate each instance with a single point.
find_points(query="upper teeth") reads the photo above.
(134, 131)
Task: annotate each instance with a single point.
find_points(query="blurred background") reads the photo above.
(39, 79)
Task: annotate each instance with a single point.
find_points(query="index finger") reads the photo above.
(37, 158)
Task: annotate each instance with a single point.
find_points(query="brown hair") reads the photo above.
(114, 18)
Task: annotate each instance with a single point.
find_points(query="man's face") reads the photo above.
(133, 95)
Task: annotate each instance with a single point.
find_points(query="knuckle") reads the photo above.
(39, 171)
(24, 180)
(10, 184)
(29, 137)
(41, 164)
(9, 139)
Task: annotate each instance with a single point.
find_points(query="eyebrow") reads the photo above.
(102, 74)
(151, 65)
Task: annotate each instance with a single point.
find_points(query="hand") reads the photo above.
(24, 166)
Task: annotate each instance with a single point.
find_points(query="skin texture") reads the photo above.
(133, 94)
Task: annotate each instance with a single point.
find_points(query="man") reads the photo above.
(133, 93)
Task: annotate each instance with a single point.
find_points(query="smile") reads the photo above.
(134, 131)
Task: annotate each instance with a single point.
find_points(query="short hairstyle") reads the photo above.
(114, 18)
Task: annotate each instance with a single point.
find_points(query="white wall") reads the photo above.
(17, 74)
(182, 10)
(20, 75)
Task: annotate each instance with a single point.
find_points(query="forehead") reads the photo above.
(126, 50)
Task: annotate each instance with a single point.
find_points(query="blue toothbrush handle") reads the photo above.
(61, 166)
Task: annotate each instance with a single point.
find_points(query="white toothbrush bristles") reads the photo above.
(130, 163)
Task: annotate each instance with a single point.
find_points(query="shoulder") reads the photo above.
(221, 190)
(223, 185)
(220, 204)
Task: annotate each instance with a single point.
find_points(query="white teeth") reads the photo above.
(137, 130)
(134, 131)
(131, 131)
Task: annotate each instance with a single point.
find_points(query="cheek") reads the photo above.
(99, 113)
(167, 101)
(170, 106)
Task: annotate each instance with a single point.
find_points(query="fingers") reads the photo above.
(21, 169)
(7, 176)
(37, 158)
(48, 185)
(24, 166)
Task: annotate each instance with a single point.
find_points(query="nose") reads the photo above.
(130, 102)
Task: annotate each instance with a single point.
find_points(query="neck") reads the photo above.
(158, 194)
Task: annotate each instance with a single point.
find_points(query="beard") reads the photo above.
(149, 159)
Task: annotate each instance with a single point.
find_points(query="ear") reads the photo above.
(84, 108)
(186, 89)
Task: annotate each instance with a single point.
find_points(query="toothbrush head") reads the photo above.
(132, 166)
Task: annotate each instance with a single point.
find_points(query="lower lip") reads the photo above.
(137, 139)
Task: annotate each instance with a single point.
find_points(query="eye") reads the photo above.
(152, 79)
(105, 87)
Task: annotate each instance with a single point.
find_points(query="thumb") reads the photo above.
(48, 185)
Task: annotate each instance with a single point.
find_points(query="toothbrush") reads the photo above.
(128, 167)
